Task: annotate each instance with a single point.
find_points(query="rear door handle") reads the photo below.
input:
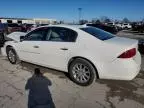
(64, 48)
(36, 46)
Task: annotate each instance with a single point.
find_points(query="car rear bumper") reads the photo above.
(121, 69)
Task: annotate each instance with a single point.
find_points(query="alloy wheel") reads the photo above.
(81, 73)
(11, 56)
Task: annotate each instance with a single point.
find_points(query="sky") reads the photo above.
(67, 10)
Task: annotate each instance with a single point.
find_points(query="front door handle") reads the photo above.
(64, 48)
(36, 46)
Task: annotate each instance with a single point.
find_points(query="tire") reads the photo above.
(12, 56)
(79, 69)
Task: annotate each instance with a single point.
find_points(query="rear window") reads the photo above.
(98, 33)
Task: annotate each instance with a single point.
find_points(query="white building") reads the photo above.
(28, 21)
(44, 21)
(16, 20)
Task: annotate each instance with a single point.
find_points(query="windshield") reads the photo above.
(98, 33)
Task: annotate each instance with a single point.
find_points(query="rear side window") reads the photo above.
(61, 34)
(98, 33)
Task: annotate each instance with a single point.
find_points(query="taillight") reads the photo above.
(128, 54)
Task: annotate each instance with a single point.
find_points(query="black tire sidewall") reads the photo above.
(11, 49)
(91, 68)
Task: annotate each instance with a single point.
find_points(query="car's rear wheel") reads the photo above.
(12, 56)
(82, 72)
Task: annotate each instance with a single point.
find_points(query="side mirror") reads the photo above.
(22, 38)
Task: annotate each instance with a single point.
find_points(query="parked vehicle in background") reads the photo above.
(86, 53)
(28, 27)
(43, 25)
(3, 28)
(141, 46)
(119, 25)
(2, 32)
(111, 24)
(116, 25)
(126, 26)
(138, 28)
(23, 28)
(108, 28)
(34, 26)
(12, 27)
(2, 39)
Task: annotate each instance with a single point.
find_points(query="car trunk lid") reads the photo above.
(120, 45)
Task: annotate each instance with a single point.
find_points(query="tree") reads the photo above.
(83, 21)
(125, 20)
(96, 21)
(61, 22)
(105, 19)
(142, 20)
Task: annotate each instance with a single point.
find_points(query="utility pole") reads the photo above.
(79, 13)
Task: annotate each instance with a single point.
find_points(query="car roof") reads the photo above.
(64, 25)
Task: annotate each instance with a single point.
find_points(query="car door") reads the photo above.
(58, 45)
(29, 48)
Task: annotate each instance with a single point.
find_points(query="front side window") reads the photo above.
(36, 35)
(61, 34)
(98, 33)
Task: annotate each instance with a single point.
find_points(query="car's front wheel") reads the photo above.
(82, 72)
(12, 56)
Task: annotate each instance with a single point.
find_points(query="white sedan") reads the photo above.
(86, 53)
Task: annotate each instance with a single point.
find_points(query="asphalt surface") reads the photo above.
(56, 87)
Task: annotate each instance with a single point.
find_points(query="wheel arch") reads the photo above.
(76, 57)
(13, 48)
(8, 46)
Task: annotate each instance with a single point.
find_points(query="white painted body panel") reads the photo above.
(16, 35)
(103, 54)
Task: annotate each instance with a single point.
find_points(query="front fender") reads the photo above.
(8, 43)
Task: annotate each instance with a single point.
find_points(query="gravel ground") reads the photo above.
(64, 93)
